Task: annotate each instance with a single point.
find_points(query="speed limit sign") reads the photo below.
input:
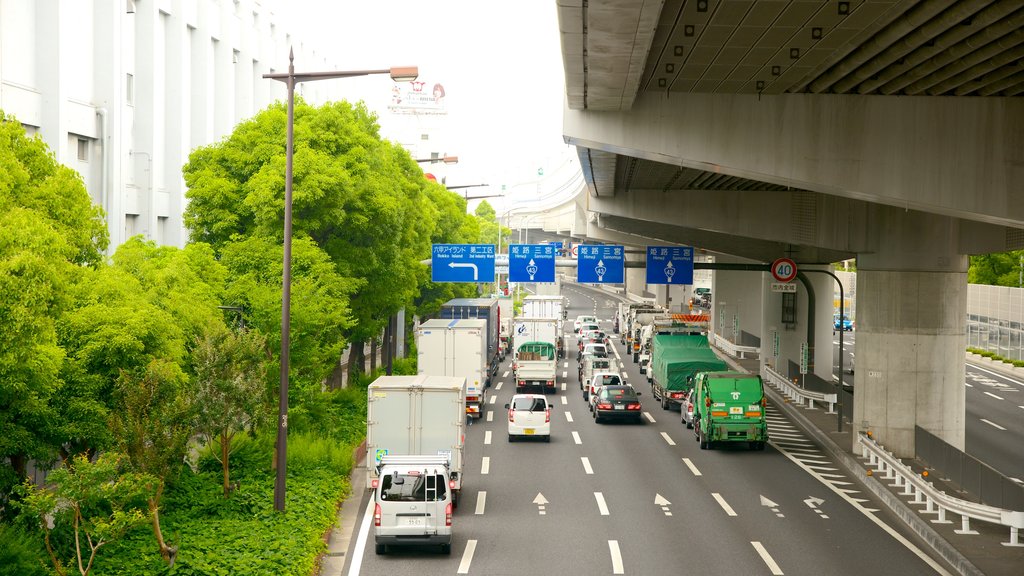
(784, 270)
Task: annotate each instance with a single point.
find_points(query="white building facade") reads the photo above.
(123, 90)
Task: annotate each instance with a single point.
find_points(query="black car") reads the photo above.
(617, 403)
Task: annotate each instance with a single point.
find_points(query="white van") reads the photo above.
(413, 503)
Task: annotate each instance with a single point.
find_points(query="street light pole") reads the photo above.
(398, 74)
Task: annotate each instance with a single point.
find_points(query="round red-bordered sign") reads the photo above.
(784, 270)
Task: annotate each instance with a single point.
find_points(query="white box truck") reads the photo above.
(416, 415)
(544, 307)
(456, 348)
(536, 348)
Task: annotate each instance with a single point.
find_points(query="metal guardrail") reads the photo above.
(798, 394)
(935, 500)
(735, 350)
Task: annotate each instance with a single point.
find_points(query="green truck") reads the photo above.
(675, 360)
(729, 407)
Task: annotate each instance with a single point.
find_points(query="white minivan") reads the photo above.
(529, 415)
(413, 503)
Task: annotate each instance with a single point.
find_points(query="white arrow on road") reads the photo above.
(660, 500)
(540, 501)
(772, 505)
(814, 503)
(476, 272)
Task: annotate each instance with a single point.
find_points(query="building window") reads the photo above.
(130, 221)
(129, 90)
(424, 136)
(83, 150)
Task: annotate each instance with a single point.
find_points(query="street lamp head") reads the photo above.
(404, 73)
(450, 159)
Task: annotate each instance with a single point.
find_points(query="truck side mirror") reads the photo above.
(506, 406)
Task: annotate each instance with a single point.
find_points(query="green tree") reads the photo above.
(50, 235)
(98, 501)
(997, 269)
(152, 425)
(230, 369)
(490, 228)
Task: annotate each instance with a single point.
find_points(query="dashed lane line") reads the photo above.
(490, 416)
(993, 424)
(565, 373)
(565, 400)
(613, 548)
(487, 437)
(485, 465)
(565, 364)
(691, 467)
(602, 506)
(498, 385)
(481, 501)
(568, 416)
(576, 437)
(467, 557)
(670, 441)
(994, 396)
(494, 398)
(725, 505)
(586, 465)
(649, 417)
(763, 553)
(505, 375)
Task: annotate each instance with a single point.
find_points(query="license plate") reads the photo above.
(620, 407)
(528, 431)
(736, 410)
(412, 521)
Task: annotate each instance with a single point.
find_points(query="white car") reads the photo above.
(600, 379)
(529, 415)
(583, 319)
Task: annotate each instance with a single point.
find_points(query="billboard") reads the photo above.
(417, 97)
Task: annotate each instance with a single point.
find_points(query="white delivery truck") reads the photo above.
(412, 503)
(416, 416)
(505, 326)
(536, 348)
(544, 307)
(456, 348)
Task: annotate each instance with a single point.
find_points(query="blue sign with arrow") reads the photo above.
(669, 265)
(598, 264)
(531, 263)
(462, 263)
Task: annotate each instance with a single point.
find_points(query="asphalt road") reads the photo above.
(642, 498)
(994, 426)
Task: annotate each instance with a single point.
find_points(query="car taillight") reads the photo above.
(677, 394)
(374, 483)
(472, 399)
(551, 382)
(764, 401)
(451, 484)
(547, 415)
(604, 406)
(511, 415)
(447, 514)
(376, 514)
(522, 382)
(633, 406)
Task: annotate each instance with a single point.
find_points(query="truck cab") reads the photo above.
(412, 500)
(729, 407)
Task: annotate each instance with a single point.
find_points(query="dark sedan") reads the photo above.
(617, 403)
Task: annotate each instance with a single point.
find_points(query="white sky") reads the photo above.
(499, 61)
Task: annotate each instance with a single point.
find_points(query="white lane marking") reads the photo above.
(490, 416)
(691, 466)
(1017, 480)
(505, 375)
(494, 398)
(995, 396)
(498, 386)
(613, 547)
(576, 437)
(487, 437)
(670, 441)
(968, 385)
(649, 417)
(602, 506)
(976, 367)
(586, 465)
(624, 375)
(725, 505)
(565, 364)
(481, 501)
(568, 416)
(467, 557)
(1021, 407)
(776, 571)
(565, 399)
(990, 423)
(563, 386)
(565, 374)
(866, 511)
(364, 533)
(485, 466)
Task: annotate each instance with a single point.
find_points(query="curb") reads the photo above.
(334, 559)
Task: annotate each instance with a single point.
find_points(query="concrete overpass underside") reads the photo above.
(891, 131)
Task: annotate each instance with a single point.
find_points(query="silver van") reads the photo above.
(413, 503)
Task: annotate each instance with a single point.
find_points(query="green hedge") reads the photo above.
(995, 357)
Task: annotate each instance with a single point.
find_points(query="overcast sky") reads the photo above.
(499, 61)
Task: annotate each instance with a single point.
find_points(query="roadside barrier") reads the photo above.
(735, 350)
(797, 394)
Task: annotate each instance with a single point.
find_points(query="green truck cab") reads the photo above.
(675, 360)
(729, 407)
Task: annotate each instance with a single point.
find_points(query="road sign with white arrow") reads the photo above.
(599, 264)
(462, 263)
(541, 503)
(669, 265)
(531, 263)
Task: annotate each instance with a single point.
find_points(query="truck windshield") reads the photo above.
(398, 487)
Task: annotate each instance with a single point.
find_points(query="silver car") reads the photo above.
(686, 408)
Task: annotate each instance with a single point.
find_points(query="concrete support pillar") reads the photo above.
(910, 333)
(636, 278)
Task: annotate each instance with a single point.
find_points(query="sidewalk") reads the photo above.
(335, 559)
(970, 554)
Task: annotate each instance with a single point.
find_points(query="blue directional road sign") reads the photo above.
(531, 263)
(462, 263)
(669, 265)
(596, 264)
